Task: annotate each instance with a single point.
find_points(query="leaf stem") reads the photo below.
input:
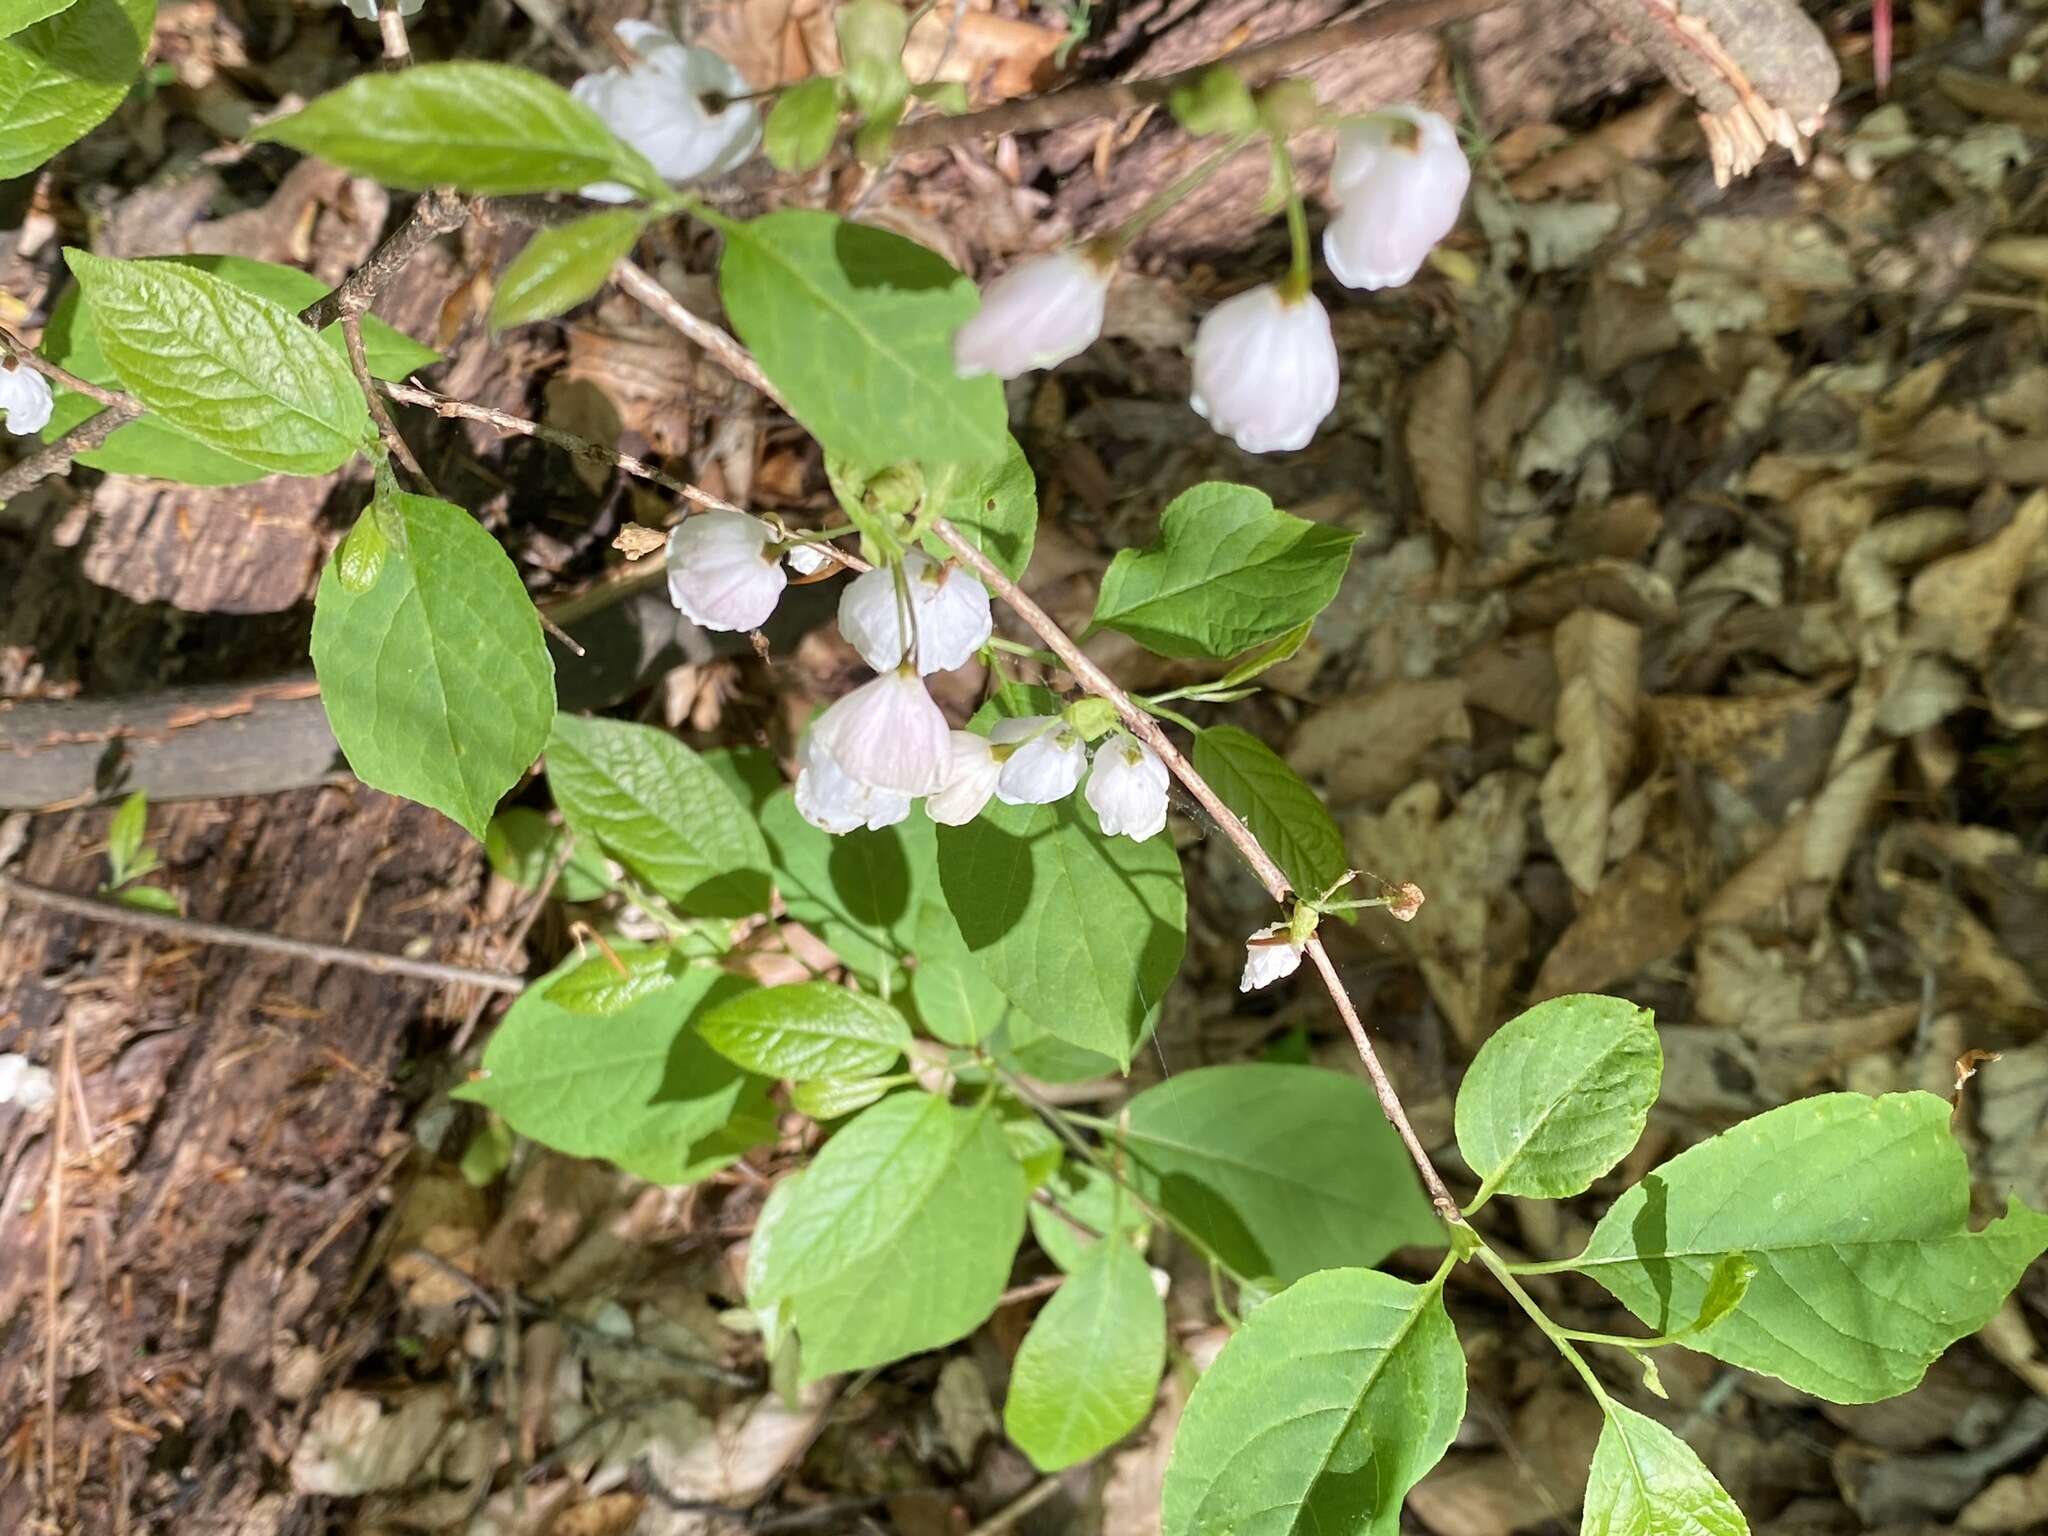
(1162, 202)
(1560, 1337)
(1294, 286)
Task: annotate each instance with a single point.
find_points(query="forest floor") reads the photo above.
(1695, 649)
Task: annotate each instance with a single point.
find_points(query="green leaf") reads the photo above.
(829, 1098)
(522, 845)
(860, 893)
(1321, 1412)
(659, 810)
(488, 1154)
(802, 124)
(1082, 932)
(1646, 1481)
(62, 77)
(1558, 1096)
(486, 128)
(16, 14)
(1726, 1287)
(638, 1088)
(360, 560)
(898, 1238)
(437, 681)
(1230, 572)
(1282, 811)
(1089, 1367)
(1281, 1170)
(947, 96)
(1088, 1195)
(1263, 659)
(124, 836)
(1855, 1211)
(604, 984)
(1215, 101)
(950, 991)
(814, 1029)
(236, 372)
(148, 898)
(855, 327)
(871, 38)
(564, 265)
(994, 504)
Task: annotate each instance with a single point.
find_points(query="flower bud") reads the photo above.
(1399, 180)
(1265, 369)
(889, 735)
(1036, 315)
(25, 399)
(970, 780)
(721, 571)
(1046, 760)
(1127, 788)
(657, 106)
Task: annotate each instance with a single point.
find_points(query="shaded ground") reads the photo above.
(1696, 649)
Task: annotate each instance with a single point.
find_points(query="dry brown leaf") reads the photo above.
(2016, 1501)
(1365, 749)
(1960, 603)
(1998, 99)
(1618, 587)
(1635, 918)
(1589, 159)
(1954, 944)
(1520, 387)
(609, 1514)
(1599, 659)
(1624, 322)
(1812, 848)
(1438, 436)
(997, 57)
(2010, 1340)
(1515, 677)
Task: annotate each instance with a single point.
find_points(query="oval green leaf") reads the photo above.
(1558, 1096)
(1647, 1482)
(1284, 814)
(1855, 1212)
(563, 266)
(811, 1030)
(236, 372)
(436, 680)
(62, 75)
(802, 124)
(1321, 1413)
(486, 128)
(1088, 1369)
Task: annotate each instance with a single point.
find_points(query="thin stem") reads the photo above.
(397, 48)
(1162, 202)
(1557, 1336)
(1156, 707)
(387, 429)
(732, 357)
(1549, 1267)
(439, 211)
(31, 359)
(1294, 286)
(1029, 652)
(193, 930)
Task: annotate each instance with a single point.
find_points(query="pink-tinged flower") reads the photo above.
(1265, 369)
(1036, 315)
(1399, 180)
(1270, 955)
(971, 775)
(658, 107)
(831, 801)
(1127, 788)
(721, 571)
(25, 399)
(1046, 759)
(949, 609)
(889, 735)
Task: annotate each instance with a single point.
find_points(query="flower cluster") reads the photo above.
(661, 105)
(1265, 362)
(25, 399)
(887, 743)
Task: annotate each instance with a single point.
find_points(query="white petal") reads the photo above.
(24, 1083)
(25, 399)
(1399, 193)
(1036, 315)
(954, 619)
(657, 107)
(718, 571)
(1127, 788)
(807, 559)
(1047, 764)
(1265, 369)
(1267, 963)
(971, 775)
(832, 802)
(870, 614)
(889, 735)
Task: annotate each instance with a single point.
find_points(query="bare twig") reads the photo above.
(437, 212)
(387, 429)
(1007, 1517)
(1058, 108)
(390, 22)
(195, 931)
(732, 357)
(55, 458)
(30, 358)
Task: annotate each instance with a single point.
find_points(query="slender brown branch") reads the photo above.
(193, 930)
(438, 211)
(390, 22)
(31, 358)
(55, 458)
(732, 357)
(1058, 108)
(387, 429)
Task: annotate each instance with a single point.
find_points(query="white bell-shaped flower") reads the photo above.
(1398, 182)
(1046, 762)
(25, 400)
(1036, 315)
(1265, 369)
(949, 608)
(1127, 787)
(1265, 963)
(889, 735)
(721, 571)
(971, 775)
(831, 801)
(807, 559)
(657, 106)
(23, 1082)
